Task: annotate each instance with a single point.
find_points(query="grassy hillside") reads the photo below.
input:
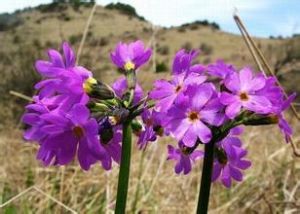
(272, 184)
(29, 33)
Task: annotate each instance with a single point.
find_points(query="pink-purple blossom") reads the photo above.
(130, 56)
(243, 87)
(190, 117)
(184, 157)
(230, 159)
(63, 135)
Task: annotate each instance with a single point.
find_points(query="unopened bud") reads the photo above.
(99, 90)
(261, 120)
(136, 127)
(221, 155)
(159, 130)
(118, 116)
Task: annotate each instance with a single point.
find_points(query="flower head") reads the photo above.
(130, 56)
(190, 116)
(66, 134)
(152, 127)
(167, 92)
(243, 87)
(284, 126)
(229, 159)
(184, 157)
(110, 143)
(220, 69)
(182, 62)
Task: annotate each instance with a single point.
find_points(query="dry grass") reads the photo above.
(270, 186)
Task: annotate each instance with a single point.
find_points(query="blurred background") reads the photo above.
(29, 28)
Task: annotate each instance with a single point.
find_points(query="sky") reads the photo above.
(262, 17)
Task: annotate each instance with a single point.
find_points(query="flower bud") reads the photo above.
(159, 130)
(136, 127)
(97, 89)
(256, 120)
(118, 116)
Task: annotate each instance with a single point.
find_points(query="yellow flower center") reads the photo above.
(87, 85)
(129, 66)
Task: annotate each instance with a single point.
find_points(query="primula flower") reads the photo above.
(183, 62)
(130, 56)
(220, 69)
(184, 157)
(229, 159)
(166, 92)
(189, 117)
(37, 108)
(68, 134)
(120, 86)
(184, 74)
(244, 87)
(284, 126)
(110, 143)
(152, 127)
(57, 63)
(63, 77)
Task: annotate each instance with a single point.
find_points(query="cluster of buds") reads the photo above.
(73, 114)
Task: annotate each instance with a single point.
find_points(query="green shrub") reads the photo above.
(125, 9)
(9, 21)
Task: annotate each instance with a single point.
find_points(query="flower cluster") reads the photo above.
(73, 114)
(208, 103)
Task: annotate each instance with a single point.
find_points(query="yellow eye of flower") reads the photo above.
(87, 85)
(129, 66)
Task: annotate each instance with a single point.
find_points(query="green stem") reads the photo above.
(124, 169)
(203, 199)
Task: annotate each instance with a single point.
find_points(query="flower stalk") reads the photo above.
(124, 168)
(204, 193)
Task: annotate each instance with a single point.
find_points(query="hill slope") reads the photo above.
(42, 28)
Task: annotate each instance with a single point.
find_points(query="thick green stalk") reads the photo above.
(124, 169)
(203, 199)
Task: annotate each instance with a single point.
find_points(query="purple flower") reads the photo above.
(184, 157)
(130, 56)
(66, 134)
(189, 117)
(244, 87)
(229, 159)
(152, 128)
(166, 92)
(63, 77)
(273, 93)
(220, 69)
(110, 143)
(120, 86)
(182, 62)
(284, 126)
(57, 63)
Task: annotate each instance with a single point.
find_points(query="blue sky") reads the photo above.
(262, 17)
